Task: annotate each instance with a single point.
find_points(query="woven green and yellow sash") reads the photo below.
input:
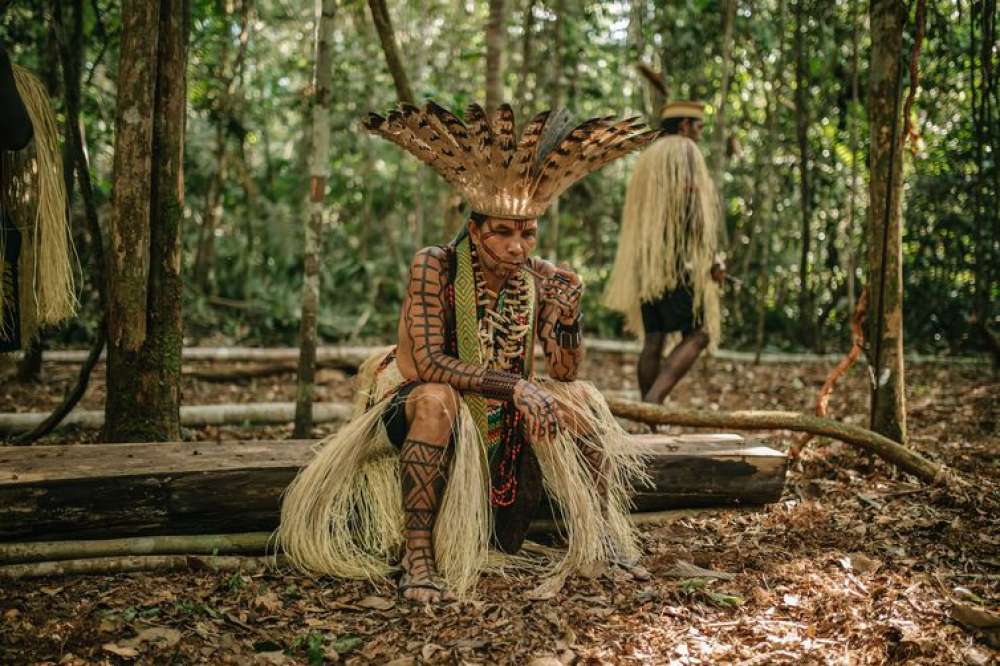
(467, 330)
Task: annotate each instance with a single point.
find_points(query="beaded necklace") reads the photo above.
(495, 330)
(504, 318)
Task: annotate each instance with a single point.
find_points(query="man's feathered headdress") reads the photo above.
(499, 174)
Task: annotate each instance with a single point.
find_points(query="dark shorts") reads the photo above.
(672, 311)
(510, 523)
(394, 415)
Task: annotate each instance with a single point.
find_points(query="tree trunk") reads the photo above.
(851, 246)
(728, 10)
(527, 51)
(494, 56)
(807, 316)
(885, 230)
(982, 84)
(772, 108)
(383, 24)
(320, 167)
(144, 284)
(205, 256)
(551, 235)
(29, 368)
(636, 46)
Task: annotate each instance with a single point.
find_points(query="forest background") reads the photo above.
(787, 81)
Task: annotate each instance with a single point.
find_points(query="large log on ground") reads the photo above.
(116, 490)
(191, 415)
(341, 355)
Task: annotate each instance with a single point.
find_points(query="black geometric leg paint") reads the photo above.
(423, 481)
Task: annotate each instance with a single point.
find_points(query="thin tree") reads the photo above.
(807, 316)
(769, 211)
(224, 115)
(850, 258)
(386, 35)
(494, 55)
(728, 11)
(885, 229)
(551, 236)
(527, 61)
(320, 173)
(144, 283)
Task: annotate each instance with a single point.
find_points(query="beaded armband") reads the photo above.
(498, 384)
(569, 337)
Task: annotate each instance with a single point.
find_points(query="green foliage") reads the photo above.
(382, 206)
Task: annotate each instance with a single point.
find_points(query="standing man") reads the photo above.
(15, 133)
(667, 274)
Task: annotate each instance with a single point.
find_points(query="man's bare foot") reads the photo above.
(421, 582)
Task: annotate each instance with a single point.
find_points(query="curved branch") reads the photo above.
(902, 457)
(72, 398)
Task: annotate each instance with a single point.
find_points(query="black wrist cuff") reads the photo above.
(499, 384)
(569, 337)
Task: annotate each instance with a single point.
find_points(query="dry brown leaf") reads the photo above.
(269, 601)
(974, 616)
(762, 596)
(376, 603)
(428, 650)
(275, 658)
(402, 661)
(161, 636)
(123, 652)
(684, 569)
(864, 564)
(974, 656)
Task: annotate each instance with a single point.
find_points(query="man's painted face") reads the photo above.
(504, 244)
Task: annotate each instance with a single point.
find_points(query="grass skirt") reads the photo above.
(343, 513)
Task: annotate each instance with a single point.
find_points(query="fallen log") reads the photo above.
(902, 457)
(259, 543)
(191, 415)
(132, 563)
(119, 490)
(356, 354)
(240, 374)
(174, 544)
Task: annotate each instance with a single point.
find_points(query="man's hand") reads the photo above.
(538, 409)
(719, 274)
(563, 290)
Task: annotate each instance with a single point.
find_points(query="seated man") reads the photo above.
(455, 434)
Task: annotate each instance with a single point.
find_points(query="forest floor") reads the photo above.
(856, 565)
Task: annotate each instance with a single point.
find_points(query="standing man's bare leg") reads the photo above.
(649, 361)
(676, 365)
(431, 410)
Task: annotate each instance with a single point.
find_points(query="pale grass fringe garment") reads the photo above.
(654, 251)
(36, 197)
(343, 513)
